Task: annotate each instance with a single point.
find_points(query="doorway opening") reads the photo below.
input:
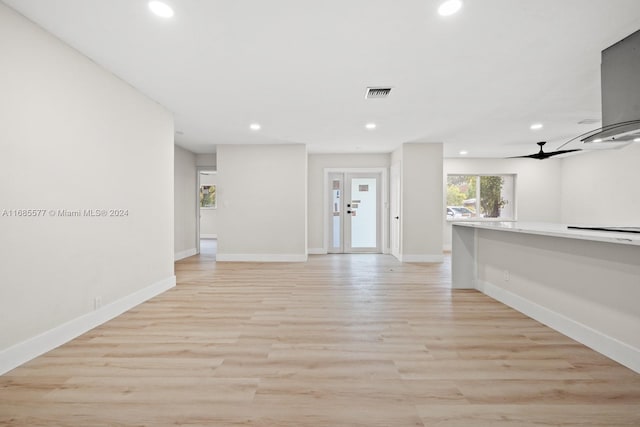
(354, 211)
(207, 214)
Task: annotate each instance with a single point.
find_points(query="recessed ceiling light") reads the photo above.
(636, 140)
(450, 7)
(255, 126)
(464, 153)
(370, 126)
(161, 9)
(597, 140)
(536, 126)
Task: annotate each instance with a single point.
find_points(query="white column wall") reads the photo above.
(262, 202)
(421, 202)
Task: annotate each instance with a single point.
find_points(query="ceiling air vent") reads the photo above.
(377, 92)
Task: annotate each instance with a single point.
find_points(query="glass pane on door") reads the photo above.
(364, 213)
(336, 210)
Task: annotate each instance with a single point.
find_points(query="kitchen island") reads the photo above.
(582, 283)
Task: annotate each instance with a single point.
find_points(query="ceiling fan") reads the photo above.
(541, 155)
(623, 132)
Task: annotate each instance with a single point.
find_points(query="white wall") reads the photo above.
(184, 203)
(209, 216)
(421, 202)
(208, 160)
(601, 187)
(317, 164)
(73, 136)
(538, 186)
(262, 202)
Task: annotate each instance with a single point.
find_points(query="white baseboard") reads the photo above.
(323, 251)
(613, 348)
(317, 251)
(20, 353)
(261, 257)
(421, 258)
(208, 236)
(185, 254)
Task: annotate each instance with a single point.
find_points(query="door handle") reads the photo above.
(348, 211)
(396, 217)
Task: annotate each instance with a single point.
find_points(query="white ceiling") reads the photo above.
(475, 81)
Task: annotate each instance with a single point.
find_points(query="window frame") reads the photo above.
(513, 199)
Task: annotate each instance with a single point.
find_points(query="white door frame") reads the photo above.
(384, 173)
(395, 210)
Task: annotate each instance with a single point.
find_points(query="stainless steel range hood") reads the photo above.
(620, 92)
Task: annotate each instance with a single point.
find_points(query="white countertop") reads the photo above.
(556, 230)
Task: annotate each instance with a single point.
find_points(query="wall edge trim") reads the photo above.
(317, 251)
(31, 348)
(185, 254)
(421, 258)
(611, 347)
(261, 257)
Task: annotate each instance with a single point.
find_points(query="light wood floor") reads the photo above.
(343, 340)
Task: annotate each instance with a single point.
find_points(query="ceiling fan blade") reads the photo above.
(555, 153)
(530, 156)
(541, 155)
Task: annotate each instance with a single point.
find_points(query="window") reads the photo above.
(208, 196)
(479, 197)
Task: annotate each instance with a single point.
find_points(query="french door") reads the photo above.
(355, 214)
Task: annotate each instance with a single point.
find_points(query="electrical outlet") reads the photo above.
(97, 303)
(506, 276)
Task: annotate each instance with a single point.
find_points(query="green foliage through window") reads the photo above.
(480, 196)
(491, 201)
